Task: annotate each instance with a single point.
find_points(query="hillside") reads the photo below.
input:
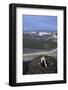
(35, 67)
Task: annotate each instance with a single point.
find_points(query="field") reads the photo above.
(37, 42)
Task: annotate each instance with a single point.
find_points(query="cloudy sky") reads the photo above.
(39, 23)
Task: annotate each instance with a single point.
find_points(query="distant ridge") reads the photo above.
(41, 31)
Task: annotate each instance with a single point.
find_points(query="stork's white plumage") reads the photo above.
(43, 61)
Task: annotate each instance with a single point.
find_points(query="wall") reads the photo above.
(4, 43)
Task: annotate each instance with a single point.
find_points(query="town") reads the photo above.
(42, 35)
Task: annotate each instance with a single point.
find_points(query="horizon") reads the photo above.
(40, 31)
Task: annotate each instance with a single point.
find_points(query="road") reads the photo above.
(31, 56)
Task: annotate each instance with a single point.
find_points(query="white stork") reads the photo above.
(43, 61)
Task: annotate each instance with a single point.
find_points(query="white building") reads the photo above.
(44, 33)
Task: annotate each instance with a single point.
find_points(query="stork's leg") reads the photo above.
(45, 63)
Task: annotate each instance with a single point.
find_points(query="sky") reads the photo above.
(36, 23)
